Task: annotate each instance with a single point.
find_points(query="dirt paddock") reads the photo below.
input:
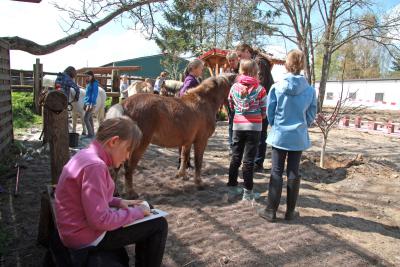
(350, 212)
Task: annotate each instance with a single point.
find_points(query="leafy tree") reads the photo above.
(198, 26)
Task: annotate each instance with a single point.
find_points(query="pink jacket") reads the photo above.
(83, 198)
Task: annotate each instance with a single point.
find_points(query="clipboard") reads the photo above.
(154, 214)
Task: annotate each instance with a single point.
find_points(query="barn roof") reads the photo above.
(150, 65)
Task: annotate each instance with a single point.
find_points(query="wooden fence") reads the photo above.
(6, 126)
(108, 77)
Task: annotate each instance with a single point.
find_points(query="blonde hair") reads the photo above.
(123, 127)
(248, 67)
(295, 61)
(232, 55)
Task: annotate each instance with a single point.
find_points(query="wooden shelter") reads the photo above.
(215, 60)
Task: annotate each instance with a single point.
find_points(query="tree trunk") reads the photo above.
(228, 39)
(322, 158)
(324, 78)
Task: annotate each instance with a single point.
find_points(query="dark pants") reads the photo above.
(262, 146)
(278, 163)
(149, 237)
(244, 147)
(231, 115)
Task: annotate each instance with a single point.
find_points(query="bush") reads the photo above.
(221, 116)
(108, 103)
(23, 115)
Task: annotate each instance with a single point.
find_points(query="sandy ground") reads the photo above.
(350, 213)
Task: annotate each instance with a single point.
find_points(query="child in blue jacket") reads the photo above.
(291, 109)
(92, 90)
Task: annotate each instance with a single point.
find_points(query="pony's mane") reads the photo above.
(204, 85)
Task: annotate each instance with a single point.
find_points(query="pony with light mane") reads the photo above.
(175, 122)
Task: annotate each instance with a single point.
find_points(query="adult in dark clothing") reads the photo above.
(265, 77)
(64, 82)
(233, 67)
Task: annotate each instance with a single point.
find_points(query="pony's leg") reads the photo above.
(184, 160)
(74, 119)
(199, 147)
(100, 116)
(131, 166)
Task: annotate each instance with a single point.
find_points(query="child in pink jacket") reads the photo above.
(88, 215)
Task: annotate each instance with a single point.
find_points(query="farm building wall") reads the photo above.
(6, 126)
(375, 93)
(151, 65)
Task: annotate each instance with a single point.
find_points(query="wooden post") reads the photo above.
(45, 220)
(21, 78)
(57, 129)
(37, 84)
(115, 80)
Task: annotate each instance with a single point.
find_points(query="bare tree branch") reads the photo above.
(18, 43)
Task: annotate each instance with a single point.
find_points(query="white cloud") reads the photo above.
(40, 23)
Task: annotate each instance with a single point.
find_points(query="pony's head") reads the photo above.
(215, 89)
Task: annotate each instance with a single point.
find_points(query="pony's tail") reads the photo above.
(115, 111)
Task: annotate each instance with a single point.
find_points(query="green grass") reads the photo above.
(23, 115)
(108, 103)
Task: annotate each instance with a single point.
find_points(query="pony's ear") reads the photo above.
(229, 78)
(224, 81)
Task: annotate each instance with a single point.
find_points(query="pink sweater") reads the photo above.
(83, 198)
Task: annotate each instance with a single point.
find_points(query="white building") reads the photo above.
(373, 93)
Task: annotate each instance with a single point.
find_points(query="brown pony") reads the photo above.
(175, 122)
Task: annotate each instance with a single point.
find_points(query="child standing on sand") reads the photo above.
(89, 102)
(292, 106)
(248, 100)
(84, 197)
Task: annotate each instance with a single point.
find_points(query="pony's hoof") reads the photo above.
(180, 174)
(200, 186)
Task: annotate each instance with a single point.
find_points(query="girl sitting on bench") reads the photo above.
(84, 199)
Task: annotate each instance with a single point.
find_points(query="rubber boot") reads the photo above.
(274, 198)
(293, 186)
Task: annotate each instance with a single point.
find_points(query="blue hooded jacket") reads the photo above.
(291, 109)
(92, 90)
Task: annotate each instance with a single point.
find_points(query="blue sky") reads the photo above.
(40, 23)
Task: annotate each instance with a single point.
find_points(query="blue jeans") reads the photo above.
(262, 145)
(279, 157)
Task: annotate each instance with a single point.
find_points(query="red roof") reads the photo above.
(213, 52)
